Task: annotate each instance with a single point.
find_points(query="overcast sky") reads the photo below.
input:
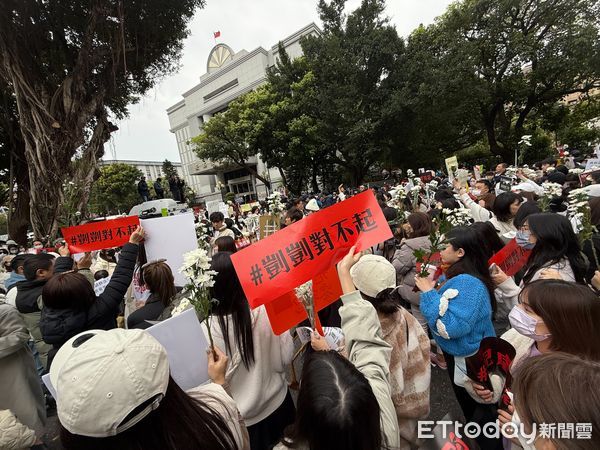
(244, 24)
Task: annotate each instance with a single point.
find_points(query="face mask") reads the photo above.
(522, 238)
(37, 247)
(516, 420)
(476, 192)
(525, 324)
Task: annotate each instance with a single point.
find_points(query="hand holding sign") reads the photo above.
(137, 236)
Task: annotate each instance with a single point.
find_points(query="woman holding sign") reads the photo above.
(346, 403)
(258, 358)
(71, 306)
(458, 309)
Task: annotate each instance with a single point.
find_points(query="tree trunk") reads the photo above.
(18, 216)
(495, 147)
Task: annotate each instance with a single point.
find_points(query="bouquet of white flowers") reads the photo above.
(551, 191)
(410, 173)
(458, 217)
(579, 211)
(196, 268)
(275, 204)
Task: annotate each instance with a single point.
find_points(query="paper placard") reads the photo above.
(285, 260)
(169, 238)
(592, 164)
(186, 345)
(333, 335)
(451, 167)
(100, 285)
(100, 235)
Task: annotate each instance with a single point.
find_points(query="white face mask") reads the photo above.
(516, 420)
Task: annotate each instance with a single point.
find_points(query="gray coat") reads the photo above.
(21, 390)
(405, 263)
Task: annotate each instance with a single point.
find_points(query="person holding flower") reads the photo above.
(258, 358)
(458, 309)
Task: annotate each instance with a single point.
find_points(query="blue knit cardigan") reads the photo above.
(467, 319)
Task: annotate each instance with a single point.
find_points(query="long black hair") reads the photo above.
(488, 238)
(180, 421)
(232, 301)
(502, 204)
(475, 260)
(336, 407)
(555, 241)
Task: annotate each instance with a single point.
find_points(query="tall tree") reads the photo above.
(13, 165)
(514, 58)
(115, 191)
(353, 61)
(169, 169)
(227, 136)
(72, 66)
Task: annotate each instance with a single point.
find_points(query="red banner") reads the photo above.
(286, 259)
(99, 235)
(286, 311)
(511, 258)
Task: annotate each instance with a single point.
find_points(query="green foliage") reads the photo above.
(168, 169)
(115, 191)
(72, 67)
(3, 223)
(505, 61)
(230, 196)
(4, 193)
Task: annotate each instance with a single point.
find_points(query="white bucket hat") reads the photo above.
(101, 376)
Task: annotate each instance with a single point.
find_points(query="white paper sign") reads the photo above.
(170, 237)
(183, 339)
(100, 285)
(333, 335)
(592, 163)
(186, 345)
(48, 383)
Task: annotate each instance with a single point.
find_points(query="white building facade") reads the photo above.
(228, 76)
(150, 169)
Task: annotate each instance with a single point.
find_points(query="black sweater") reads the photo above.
(59, 325)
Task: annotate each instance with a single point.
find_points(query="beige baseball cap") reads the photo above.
(101, 376)
(373, 274)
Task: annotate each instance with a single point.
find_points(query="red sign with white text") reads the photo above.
(99, 235)
(511, 258)
(286, 311)
(286, 259)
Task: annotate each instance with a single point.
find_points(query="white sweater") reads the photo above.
(260, 390)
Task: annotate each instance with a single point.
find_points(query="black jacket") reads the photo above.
(143, 187)
(150, 311)
(59, 325)
(27, 295)
(29, 291)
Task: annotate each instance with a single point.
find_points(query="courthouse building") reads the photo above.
(229, 74)
(150, 169)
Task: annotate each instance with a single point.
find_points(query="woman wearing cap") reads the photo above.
(458, 309)
(158, 278)
(258, 358)
(410, 370)
(71, 306)
(345, 403)
(114, 391)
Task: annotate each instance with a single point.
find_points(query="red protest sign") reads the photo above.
(286, 259)
(99, 235)
(287, 311)
(511, 258)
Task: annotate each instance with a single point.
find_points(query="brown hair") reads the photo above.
(571, 312)
(159, 279)
(69, 290)
(559, 388)
(420, 224)
(225, 244)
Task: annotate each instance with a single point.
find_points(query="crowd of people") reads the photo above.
(399, 315)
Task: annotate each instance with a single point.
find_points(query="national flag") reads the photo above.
(217, 34)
